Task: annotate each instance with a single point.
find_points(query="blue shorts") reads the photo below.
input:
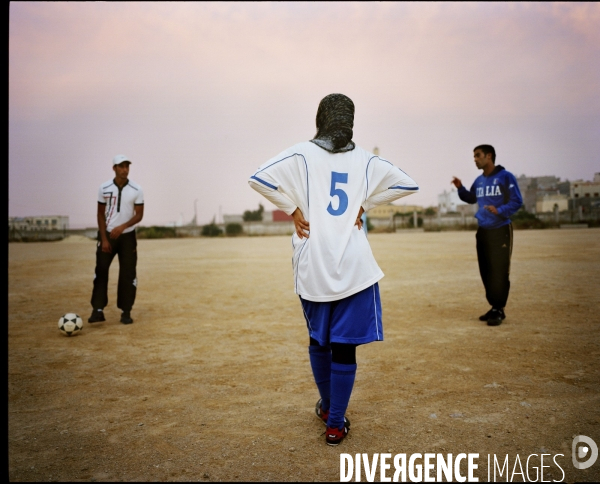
(353, 320)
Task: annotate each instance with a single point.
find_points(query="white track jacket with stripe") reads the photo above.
(329, 188)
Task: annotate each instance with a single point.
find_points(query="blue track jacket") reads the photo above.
(499, 189)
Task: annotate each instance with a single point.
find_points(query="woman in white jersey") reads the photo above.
(327, 184)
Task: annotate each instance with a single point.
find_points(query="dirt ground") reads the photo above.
(212, 381)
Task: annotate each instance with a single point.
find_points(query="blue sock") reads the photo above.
(320, 362)
(342, 382)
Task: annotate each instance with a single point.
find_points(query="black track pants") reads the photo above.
(494, 250)
(125, 246)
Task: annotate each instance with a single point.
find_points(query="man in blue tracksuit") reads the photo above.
(498, 196)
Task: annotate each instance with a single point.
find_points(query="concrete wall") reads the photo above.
(268, 228)
(431, 221)
(15, 235)
(547, 202)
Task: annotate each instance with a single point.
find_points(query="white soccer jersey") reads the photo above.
(336, 261)
(119, 203)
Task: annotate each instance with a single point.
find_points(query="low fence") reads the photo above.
(268, 228)
(249, 228)
(16, 235)
(191, 231)
(565, 219)
(570, 217)
(427, 222)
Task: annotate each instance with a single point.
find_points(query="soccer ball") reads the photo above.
(70, 324)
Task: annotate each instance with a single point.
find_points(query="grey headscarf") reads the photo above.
(335, 120)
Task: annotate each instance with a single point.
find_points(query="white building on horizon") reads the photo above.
(586, 189)
(449, 201)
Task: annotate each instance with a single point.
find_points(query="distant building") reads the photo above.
(535, 188)
(550, 202)
(544, 194)
(267, 217)
(449, 201)
(542, 189)
(233, 219)
(541, 182)
(45, 222)
(586, 189)
(281, 216)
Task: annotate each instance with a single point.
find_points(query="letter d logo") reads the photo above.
(590, 451)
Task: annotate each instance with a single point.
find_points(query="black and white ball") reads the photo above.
(70, 324)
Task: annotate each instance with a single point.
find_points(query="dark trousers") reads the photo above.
(125, 246)
(494, 250)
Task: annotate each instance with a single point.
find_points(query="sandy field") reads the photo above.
(212, 381)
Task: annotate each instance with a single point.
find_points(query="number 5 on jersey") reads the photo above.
(338, 192)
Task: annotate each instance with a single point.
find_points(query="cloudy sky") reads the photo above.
(200, 94)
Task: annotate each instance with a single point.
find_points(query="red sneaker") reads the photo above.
(323, 416)
(334, 436)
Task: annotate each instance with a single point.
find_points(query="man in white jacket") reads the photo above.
(326, 184)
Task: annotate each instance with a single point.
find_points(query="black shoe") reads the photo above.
(496, 317)
(126, 318)
(97, 316)
(486, 316)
